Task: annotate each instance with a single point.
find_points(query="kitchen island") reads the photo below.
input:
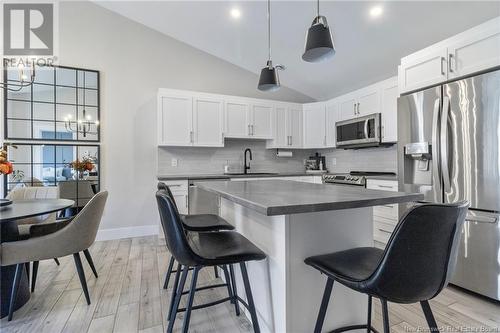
(290, 221)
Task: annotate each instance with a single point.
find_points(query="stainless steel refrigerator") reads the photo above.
(449, 150)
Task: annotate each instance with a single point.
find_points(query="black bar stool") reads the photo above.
(205, 249)
(197, 223)
(414, 267)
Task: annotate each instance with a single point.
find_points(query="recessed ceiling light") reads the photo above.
(376, 11)
(235, 13)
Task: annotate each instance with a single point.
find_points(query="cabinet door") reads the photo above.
(368, 101)
(236, 119)
(332, 116)
(262, 121)
(281, 139)
(389, 127)
(347, 107)
(295, 126)
(476, 52)
(175, 117)
(207, 122)
(424, 70)
(314, 126)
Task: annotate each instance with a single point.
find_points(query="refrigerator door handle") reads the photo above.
(444, 144)
(435, 142)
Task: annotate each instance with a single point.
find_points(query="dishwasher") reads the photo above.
(201, 201)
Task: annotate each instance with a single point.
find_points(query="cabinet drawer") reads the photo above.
(381, 236)
(177, 186)
(383, 225)
(389, 211)
(382, 185)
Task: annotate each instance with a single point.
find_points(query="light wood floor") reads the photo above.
(127, 297)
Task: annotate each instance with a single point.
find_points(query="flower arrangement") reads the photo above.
(6, 167)
(86, 163)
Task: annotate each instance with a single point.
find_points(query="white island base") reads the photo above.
(287, 292)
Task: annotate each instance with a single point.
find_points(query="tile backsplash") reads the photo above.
(195, 160)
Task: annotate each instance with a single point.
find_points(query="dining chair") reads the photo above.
(415, 266)
(74, 237)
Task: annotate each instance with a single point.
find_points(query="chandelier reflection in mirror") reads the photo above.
(26, 76)
(85, 125)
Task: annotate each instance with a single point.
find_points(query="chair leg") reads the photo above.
(178, 296)
(174, 291)
(369, 316)
(216, 272)
(169, 272)
(385, 315)
(57, 261)
(324, 306)
(15, 288)
(81, 275)
(251, 305)
(228, 282)
(192, 290)
(33, 275)
(90, 261)
(429, 316)
(235, 291)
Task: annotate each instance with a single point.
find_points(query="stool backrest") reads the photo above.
(421, 253)
(175, 235)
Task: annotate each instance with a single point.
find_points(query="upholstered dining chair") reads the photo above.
(76, 236)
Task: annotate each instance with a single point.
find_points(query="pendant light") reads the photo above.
(269, 79)
(319, 43)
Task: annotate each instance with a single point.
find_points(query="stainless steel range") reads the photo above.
(344, 179)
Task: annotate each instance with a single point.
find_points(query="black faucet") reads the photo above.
(247, 167)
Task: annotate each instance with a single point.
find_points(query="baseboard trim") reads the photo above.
(128, 232)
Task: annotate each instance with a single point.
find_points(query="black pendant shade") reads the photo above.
(269, 79)
(319, 43)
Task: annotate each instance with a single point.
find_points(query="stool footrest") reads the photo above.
(353, 327)
(206, 305)
(207, 287)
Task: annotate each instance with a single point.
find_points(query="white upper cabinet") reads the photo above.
(332, 116)
(261, 126)
(314, 125)
(287, 126)
(479, 49)
(208, 122)
(175, 119)
(389, 108)
(347, 105)
(236, 115)
(471, 51)
(368, 100)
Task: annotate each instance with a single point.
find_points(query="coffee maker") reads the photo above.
(316, 164)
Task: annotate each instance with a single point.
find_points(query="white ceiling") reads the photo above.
(368, 50)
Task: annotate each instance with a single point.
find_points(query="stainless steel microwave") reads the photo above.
(359, 132)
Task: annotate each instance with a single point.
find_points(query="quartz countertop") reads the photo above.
(229, 176)
(282, 197)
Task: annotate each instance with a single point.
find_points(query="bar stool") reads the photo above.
(414, 267)
(204, 249)
(197, 223)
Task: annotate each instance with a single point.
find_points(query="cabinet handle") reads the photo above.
(385, 186)
(450, 59)
(191, 136)
(354, 108)
(358, 108)
(443, 59)
(253, 131)
(187, 203)
(249, 133)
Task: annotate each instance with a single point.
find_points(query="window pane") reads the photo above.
(44, 74)
(91, 80)
(22, 173)
(87, 97)
(66, 95)
(16, 109)
(65, 154)
(43, 111)
(65, 111)
(23, 94)
(65, 77)
(43, 130)
(19, 129)
(21, 154)
(43, 93)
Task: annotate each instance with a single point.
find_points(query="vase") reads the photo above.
(80, 175)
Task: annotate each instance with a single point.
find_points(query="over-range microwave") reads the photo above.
(359, 132)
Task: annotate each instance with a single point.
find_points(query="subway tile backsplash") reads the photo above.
(194, 160)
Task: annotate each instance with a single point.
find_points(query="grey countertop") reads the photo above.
(281, 197)
(226, 176)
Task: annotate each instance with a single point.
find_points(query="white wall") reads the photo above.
(134, 62)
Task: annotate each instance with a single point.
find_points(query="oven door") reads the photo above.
(359, 132)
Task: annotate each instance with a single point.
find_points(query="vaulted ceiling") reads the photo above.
(368, 49)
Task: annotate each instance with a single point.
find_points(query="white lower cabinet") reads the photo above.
(385, 218)
(180, 192)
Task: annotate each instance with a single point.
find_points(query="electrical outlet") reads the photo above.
(333, 161)
(174, 162)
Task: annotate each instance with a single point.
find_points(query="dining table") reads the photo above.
(9, 232)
